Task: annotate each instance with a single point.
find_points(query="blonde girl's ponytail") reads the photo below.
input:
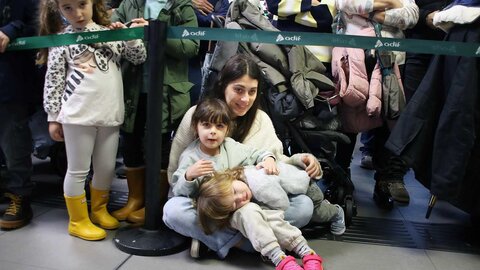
(50, 22)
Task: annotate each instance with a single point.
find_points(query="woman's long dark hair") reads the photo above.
(235, 68)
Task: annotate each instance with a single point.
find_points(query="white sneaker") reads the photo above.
(337, 227)
(195, 249)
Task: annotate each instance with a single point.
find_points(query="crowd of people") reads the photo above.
(220, 156)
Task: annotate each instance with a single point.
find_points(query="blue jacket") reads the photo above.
(17, 69)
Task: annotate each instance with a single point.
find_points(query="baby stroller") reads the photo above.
(298, 97)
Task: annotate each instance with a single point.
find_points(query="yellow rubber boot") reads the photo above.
(138, 217)
(136, 191)
(99, 213)
(79, 224)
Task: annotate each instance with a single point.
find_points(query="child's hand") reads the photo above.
(199, 168)
(117, 25)
(269, 165)
(56, 131)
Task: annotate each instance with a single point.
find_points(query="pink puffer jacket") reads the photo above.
(361, 106)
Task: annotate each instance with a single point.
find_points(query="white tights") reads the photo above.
(88, 145)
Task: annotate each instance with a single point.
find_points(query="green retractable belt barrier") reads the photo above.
(258, 36)
(28, 43)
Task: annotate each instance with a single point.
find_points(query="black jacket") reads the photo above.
(438, 133)
(17, 69)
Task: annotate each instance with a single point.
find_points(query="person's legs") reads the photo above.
(323, 211)
(103, 159)
(389, 171)
(79, 144)
(367, 140)
(344, 152)
(180, 216)
(134, 160)
(300, 211)
(253, 222)
(416, 66)
(16, 144)
(291, 238)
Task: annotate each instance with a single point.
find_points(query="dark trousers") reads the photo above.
(134, 142)
(16, 144)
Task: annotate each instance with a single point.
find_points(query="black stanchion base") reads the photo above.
(143, 242)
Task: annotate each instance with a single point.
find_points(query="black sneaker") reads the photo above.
(18, 214)
(399, 192)
(382, 196)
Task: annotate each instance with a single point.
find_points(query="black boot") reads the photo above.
(18, 214)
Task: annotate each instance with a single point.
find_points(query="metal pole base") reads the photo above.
(143, 242)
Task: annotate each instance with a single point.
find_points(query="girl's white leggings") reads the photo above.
(88, 145)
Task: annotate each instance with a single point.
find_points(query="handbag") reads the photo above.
(393, 96)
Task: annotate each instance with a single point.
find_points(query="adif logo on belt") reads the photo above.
(91, 37)
(287, 38)
(193, 33)
(394, 44)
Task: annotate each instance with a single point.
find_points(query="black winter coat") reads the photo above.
(18, 18)
(438, 133)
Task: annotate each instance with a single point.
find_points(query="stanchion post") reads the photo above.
(154, 239)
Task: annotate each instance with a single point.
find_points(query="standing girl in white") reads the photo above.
(83, 96)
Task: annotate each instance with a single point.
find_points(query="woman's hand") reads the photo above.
(138, 22)
(313, 168)
(199, 168)
(269, 165)
(56, 131)
(203, 6)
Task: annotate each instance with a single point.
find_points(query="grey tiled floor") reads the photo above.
(45, 243)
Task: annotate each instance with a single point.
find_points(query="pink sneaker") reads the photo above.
(312, 262)
(289, 263)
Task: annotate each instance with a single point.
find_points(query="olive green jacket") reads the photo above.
(176, 88)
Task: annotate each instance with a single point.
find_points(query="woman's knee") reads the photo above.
(300, 211)
(179, 211)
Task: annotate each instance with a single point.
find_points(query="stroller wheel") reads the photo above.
(340, 193)
(350, 210)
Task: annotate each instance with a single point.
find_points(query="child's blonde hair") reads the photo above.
(51, 22)
(215, 202)
(211, 110)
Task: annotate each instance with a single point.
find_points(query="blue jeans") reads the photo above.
(16, 143)
(366, 138)
(180, 216)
